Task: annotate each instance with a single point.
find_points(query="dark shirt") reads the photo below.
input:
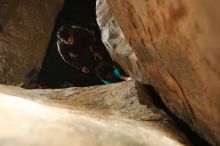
(82, 49)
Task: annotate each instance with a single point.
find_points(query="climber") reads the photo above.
(109, 72)
(77, 47)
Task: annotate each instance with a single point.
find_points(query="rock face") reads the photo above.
(25, 29)
(118, 114)
(175, 45)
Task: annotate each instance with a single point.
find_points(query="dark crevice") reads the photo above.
(55, 73)
(195, 139)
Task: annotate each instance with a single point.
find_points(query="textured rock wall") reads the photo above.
(100, 115)
(177, 48)
(25, 29)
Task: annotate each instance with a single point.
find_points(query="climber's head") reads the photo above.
(65, 34)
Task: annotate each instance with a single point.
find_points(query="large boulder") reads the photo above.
(25, 30)
(175, 46)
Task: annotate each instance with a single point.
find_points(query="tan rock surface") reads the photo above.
(27, 26)
(177, 47)
(100, 115)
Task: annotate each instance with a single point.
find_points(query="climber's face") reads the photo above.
(70, 40)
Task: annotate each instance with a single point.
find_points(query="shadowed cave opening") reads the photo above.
(55, 73)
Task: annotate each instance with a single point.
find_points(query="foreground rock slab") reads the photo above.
(101, 115)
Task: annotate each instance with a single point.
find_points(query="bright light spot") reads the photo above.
(20, 105)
